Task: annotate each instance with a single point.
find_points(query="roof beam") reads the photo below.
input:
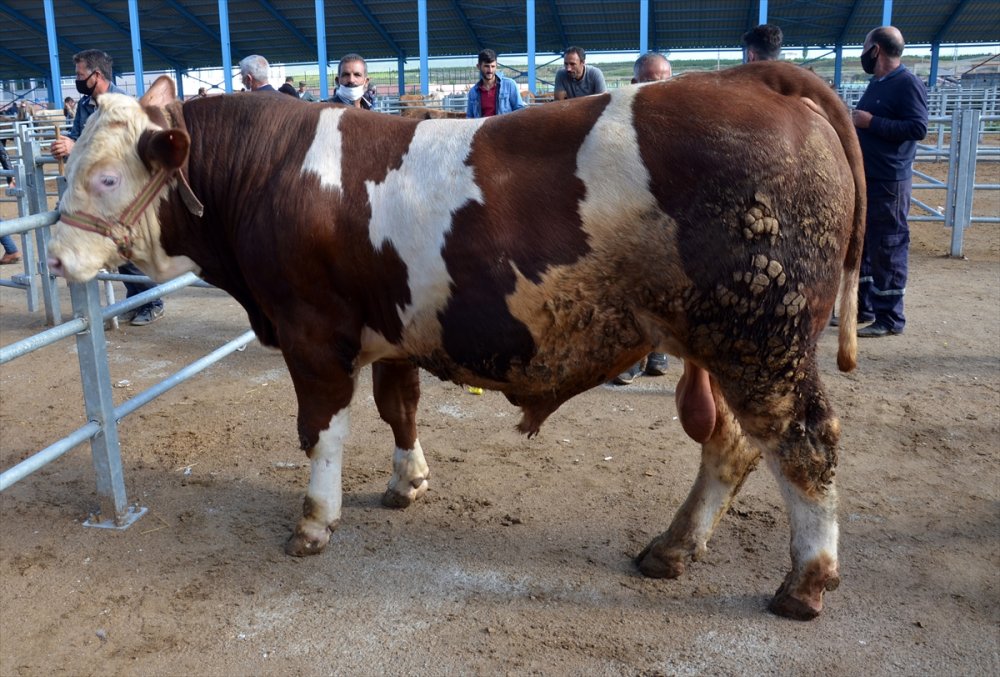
(949, 22)
(34, 25)
(848, 22)
(379, 28)
(288, 25)
(559, 27)
(21, 60)
(468, 24)
(196, 22)
(114, 24)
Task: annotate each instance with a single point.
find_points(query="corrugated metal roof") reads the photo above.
(185, 34)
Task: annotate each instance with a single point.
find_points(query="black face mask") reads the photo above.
(868, 60)
(81, 85)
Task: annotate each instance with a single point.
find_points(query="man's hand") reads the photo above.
(62, 147)
(862, 118)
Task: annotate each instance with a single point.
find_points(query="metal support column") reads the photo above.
(227, 55)
(321, 58)
(643, 26)
(961, 175)
(55, 91)
(115, 512)
(422, 36)
(133, 24)
(532, 72)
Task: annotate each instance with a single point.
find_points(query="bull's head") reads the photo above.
(120, 169)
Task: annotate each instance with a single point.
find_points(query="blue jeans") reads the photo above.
(133, 288)
(8, 244)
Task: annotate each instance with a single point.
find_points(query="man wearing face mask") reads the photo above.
(93, 79)
(890, 118)
(352, 82)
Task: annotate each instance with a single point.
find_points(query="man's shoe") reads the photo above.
(835, 321)
(626, 377)
(13, 257)
(147, 315)
(656, 364)
(876, 331)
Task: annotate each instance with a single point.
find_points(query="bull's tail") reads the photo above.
(847, 351)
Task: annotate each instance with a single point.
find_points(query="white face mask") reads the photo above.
(351, 94)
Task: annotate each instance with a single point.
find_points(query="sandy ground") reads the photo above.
(519, 559)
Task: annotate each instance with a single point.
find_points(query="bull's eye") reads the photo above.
(109, 180)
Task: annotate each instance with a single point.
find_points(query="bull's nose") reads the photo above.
(55, 266)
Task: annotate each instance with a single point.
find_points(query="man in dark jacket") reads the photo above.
(94, 79)
(289, 87)
(891, 118)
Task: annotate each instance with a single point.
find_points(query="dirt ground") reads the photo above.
(519, 559)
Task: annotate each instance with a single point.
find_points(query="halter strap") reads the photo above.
(119, 231)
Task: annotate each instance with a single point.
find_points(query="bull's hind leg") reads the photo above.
(726, 459)
(397, 391)
(803, 459)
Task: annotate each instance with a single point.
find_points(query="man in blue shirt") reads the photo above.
(890, 118)
(493, 94)
(93, 78)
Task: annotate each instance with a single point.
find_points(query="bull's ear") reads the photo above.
(167, 149)
(160, 93)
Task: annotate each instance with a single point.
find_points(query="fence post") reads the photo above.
(35, 253)
(115, 512)
(961, 175)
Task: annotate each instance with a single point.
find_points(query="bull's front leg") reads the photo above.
(324, 394)
(727, 459)
(396, 387)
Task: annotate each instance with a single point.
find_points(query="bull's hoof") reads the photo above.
(655, 565)
(308, 541)
(801, 598)
(393, 498)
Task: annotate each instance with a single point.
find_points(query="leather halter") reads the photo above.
(119, 231)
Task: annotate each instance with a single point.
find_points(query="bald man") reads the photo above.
(890, 118)
(649, 67)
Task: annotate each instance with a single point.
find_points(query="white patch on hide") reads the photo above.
(325, 153)
(325, 468)
(610, 167)
(412, 209)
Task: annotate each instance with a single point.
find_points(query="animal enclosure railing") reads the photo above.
(87, 325)
(965, 129)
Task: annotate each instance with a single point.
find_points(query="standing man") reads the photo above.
(93, 79)
(762, 43)
(304, 93)
(649, 67)
(352, 82)
(493, 94)
(891, 118)
(576, 78)
(254, 71)
(289, 88)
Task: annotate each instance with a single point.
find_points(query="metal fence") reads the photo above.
(87, 325)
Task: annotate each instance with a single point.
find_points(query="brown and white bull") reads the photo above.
(538, 253)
